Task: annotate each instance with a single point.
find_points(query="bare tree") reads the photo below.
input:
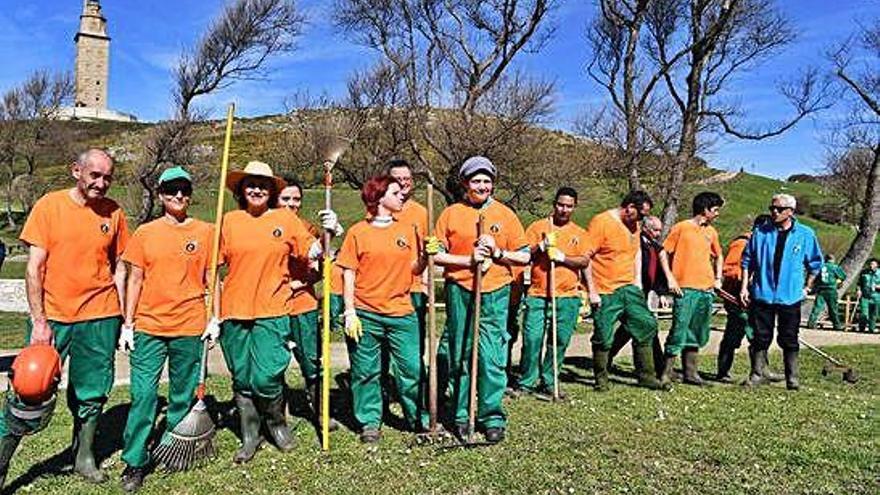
(704, 44)
(235, 47)
(846, 174)
(857, 68)
(452, 60)
(29, 130)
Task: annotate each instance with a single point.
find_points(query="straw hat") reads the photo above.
(254, 168)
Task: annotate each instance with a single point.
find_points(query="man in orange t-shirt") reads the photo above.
(75, 288)
(693, 275)
(614, 249)
(461, 252)
(564, 243)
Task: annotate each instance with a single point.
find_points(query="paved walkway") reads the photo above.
(579, 347)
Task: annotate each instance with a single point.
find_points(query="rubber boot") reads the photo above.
(725, 362)
(643, 358)
(621, 338)
(790, 358)
(600, 369)
(313, 393)
(690, 362)
(275, 414)
(666, 376)
(84, 461)
(8, 444)
(758, 361)
(769, 375)
(250, 429)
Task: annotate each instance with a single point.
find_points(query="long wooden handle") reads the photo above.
(325, 331)
(475, 345)
(432, 324)
(551, 276)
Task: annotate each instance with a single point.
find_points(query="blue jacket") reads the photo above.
(802, 254)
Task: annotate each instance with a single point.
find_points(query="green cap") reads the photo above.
(172, 173)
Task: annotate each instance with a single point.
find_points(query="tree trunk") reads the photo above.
(147, 204)
(863, 244)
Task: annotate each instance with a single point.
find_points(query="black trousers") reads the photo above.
(786, 318)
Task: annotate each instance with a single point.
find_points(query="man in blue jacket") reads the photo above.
(780, 255)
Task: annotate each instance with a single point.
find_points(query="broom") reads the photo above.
(193, 438)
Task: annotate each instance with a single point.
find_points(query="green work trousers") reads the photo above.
(627, 305)
(304, 333)
(691, 319)
(538, 319)
(736, 327)
(825, 296)
(256, 354)
(400, 336)
(91, 346)
(147, 360)
(337, 306)
(420, 304)
(868, 309)
(492, 352)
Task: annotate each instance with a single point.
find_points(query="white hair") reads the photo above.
(786, 200)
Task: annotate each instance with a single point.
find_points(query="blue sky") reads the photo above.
(148, 36)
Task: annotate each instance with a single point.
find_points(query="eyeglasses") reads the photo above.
(778, 209)
(256, 184)
(171, 189)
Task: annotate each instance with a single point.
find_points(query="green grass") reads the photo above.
(823, 439)
(13, 269)
(12, 330)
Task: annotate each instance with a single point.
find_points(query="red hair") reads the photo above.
(374, 189)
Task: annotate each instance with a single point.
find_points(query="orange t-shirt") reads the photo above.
(457, 230)
(693, 247)
(613, 249)
(304, 299)
(83, 244)
(572, 241)
(175, 260)
(732, 269)
(381, 258)
(336, 284)
(414, 214)
(257, 250)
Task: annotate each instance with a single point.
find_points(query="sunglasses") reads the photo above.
(171, 189)
(256, 183)
(778, 209)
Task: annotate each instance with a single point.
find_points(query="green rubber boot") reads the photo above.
(84, 463)
(600, 369)
(276, 422)
(250, 429)
(643, 358)
(8, 444)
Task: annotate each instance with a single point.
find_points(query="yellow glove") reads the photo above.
(432, 245)
(555, 254)
(353, 327)
(548, 242)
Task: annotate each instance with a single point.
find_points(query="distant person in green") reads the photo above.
(829, 278)
(869, 297)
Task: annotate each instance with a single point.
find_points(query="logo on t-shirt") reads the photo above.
(495, 228)
(105, 228)
(574, 241)
(191, 247)
(277, 232)
(401, 242)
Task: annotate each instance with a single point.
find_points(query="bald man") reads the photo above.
(75, 287)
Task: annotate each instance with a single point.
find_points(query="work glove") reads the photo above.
(555, 254)
(432, 245)
(353, 327)
(483, 258)
(330, 222)
(316, 251)
(548, 242)
(212, 330)
(126, 338)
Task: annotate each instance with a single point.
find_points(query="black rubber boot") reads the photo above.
(643, 358)
(758, 361)
(668, 369)
(314, 396)
(790, 358)
(249, 419)
(725, 362)
(690, 362)
(769, 375)
(621, 337)
(8, 444)
(133, 478)
(84, 461)
(600, 369)
(275, 414)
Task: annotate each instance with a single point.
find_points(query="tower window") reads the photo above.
(97, 83)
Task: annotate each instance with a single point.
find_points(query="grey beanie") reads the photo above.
(476, 164)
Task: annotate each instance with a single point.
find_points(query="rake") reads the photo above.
(193, 438)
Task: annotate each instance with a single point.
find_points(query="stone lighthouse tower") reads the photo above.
(92, 57)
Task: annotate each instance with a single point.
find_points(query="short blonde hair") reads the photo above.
(786, 200)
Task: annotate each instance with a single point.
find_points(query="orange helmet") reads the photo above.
(36, 372)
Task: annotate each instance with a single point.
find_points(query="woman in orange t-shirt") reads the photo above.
(164, 316)
(379, 258)
(256, 244)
